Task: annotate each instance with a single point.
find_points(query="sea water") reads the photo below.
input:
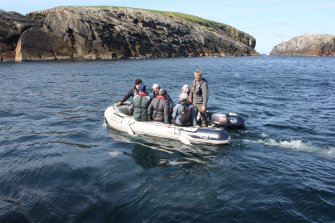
(61, 163)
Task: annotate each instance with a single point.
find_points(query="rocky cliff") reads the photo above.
(307, 45)
(114, 32)
(12, 25)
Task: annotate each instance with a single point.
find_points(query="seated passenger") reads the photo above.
(186, 89)
(131, 92)
(184, 113)
(159, 108)
(140, 104)
(154, 91)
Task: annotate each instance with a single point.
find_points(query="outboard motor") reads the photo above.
(229, 121)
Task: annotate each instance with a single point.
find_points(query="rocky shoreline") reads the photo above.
(116, 33)
(306, 45)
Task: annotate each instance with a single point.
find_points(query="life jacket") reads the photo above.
(141, 93)
(159, 108)
(160, 97)
(141, 102)
(197, 89)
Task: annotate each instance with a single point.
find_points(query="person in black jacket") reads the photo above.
(131, 92)
(159, 108)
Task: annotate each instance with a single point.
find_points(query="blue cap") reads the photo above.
(142, 88)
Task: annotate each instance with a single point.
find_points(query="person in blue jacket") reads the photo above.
(184, 113)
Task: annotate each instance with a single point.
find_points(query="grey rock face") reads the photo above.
(126, 33)
(307, 45)
(12, 24)
(113, 33)
(36, 44)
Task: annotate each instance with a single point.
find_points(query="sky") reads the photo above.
(269, 21)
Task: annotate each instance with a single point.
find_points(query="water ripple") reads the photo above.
(61, 163)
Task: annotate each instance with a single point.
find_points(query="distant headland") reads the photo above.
(306, 45)
(116, 33)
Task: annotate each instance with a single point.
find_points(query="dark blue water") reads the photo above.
(60, 163)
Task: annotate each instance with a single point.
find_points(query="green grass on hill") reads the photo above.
(180, 15)
(233, 32)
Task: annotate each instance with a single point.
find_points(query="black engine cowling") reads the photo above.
(229, 121)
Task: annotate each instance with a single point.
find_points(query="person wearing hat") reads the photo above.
(141, 103)
(131, 92)
(159, 108)
(200, 96)
(184, 113)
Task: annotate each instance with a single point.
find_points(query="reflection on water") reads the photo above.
(151, 152)
(60, 163)
(149, 157)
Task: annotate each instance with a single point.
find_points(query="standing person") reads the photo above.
(141, 103)
(200, 96)
(159, 108)
(131, 92)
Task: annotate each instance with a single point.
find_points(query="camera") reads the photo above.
(198, 91)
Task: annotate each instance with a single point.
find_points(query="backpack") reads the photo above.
(185, 116)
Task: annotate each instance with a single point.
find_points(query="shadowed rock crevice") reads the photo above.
(36, 44)
(12, 25)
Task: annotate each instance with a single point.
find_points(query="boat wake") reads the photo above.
(295, 144)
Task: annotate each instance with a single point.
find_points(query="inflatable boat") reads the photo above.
(118, 117)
